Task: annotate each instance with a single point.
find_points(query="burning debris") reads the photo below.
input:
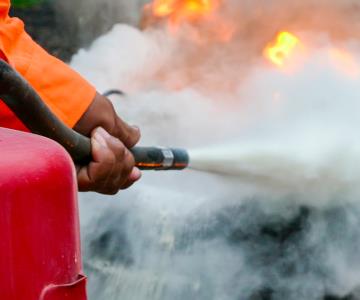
(279, 80)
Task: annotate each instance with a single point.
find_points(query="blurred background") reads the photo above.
(63, 26)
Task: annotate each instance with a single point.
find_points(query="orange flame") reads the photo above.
(203, 18)
(178, 10)
(279, 51)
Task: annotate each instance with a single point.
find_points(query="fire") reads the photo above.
(279, 51)
(197, 21)
(179, 10)
(162, 8)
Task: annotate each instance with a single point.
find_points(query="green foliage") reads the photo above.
(25, 3)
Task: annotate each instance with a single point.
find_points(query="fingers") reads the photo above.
(129, 135)
(101, 113)
(94, 176)
(112, 167)
(134, 176)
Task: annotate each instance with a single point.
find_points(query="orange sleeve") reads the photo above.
(65, 92)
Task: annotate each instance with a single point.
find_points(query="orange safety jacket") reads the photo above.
(64, 91)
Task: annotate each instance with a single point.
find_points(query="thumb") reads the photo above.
(100, 148)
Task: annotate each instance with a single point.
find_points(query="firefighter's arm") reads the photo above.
(112, 167)
(71, 98)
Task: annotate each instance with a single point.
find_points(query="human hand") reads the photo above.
(113, 166)
(101, 113)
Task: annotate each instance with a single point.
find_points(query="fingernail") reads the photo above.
(95, 144)
(115, 140)
(135, 127)
(103, 132)
(135, 174)
(100, 139)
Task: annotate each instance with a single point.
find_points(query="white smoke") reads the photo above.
(194, 235)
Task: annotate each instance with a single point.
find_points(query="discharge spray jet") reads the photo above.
(28, 106)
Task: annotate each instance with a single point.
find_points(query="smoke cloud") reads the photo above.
(208, 87)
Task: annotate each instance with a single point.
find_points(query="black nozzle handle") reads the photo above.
(28, 106)
(160, 158)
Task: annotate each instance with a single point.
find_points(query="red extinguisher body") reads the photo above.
(40, 256)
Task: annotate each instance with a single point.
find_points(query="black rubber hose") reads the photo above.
(113, 92)
(28, 106)
(160, 159)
